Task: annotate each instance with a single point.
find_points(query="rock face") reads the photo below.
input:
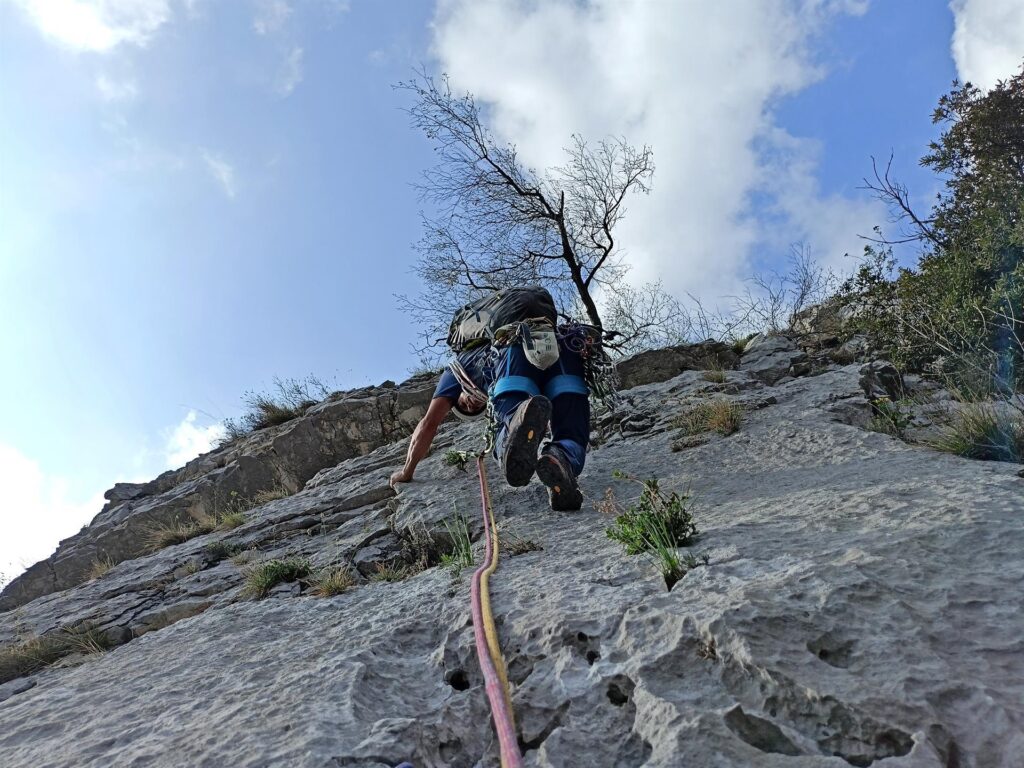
(345, 425)
(861, 606)
(773, 357)
(661, 364)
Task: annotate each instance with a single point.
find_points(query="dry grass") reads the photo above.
(715, 374)
(396, 571)
(268, 495)
(334, 581)
(721, 416)
(35, 653)
(100, 566)
(982, 431)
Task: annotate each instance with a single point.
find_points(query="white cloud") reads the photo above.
(116, 90)
(697, 81)
(97, 25)
(187, 440)
(221, 170)
(271, 15)
(291, 72)
(988, 40)
(38, 511)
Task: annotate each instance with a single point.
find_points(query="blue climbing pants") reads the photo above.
(563, 384)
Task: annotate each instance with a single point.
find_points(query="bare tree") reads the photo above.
(499, 223)
(778, 298)
(645, 318)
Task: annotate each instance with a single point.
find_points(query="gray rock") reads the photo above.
(861, 606)
(772, 357)
(660, 364)
(881, 379)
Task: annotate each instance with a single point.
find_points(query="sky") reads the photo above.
(197, 196)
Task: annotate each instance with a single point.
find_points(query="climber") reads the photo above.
(533, 377)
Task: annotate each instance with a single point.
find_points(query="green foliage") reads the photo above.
(216, 551)
(888, 417)
(458, 459)
(983, 431)
(654, 518)
(263, 577)
(461, 554)
(964, 300)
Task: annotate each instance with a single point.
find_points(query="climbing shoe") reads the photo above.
(556, 473)
(526, 428)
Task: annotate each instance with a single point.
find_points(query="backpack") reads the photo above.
(477, 322)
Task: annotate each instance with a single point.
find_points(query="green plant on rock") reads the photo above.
(461, 554)
(263, 577)
(657, 525)
(458, 459)
(652, 513)
(889, 418)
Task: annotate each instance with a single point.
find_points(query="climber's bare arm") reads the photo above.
(422, 437)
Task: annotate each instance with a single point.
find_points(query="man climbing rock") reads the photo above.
(511, 353)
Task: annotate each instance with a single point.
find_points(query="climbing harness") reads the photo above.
(488, 649)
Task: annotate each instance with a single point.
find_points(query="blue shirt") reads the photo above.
(474, 362)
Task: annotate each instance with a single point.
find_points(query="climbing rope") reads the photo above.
(488, 650)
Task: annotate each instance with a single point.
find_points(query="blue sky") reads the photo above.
(196, 196)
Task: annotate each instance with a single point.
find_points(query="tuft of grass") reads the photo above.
(716, 375)
(33, 654)
(982, 431)
(232, 520)
(395, 571)
(100, 566)
(244, 556)
(216, 551)
(662, 548)
(654, 513)
(739, 345)
(161, 535)
(263, 577)
(268, 495)
(721, 416)
(334, 581)
(461, 554)
(514, 544)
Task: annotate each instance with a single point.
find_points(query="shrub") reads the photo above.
(982, 431)
(334, 581)
(888, 417)
(653, 514)
(721, 416)
(219, 550)
(263, 577)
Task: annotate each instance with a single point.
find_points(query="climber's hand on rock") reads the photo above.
(400, 476)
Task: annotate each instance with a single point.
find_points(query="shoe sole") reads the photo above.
(521, 453)
(565, 491)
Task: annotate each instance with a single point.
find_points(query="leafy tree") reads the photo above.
(964, 300)
(500, 223)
